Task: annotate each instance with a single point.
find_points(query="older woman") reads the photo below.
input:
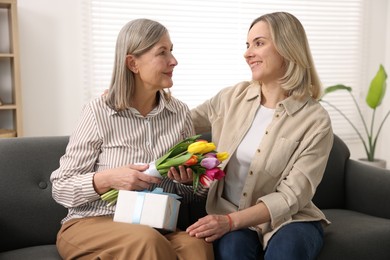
(137, 121)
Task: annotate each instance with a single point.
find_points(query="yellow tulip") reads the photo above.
(222, 156)
(197, 147)
(209, 147)
(201, 147)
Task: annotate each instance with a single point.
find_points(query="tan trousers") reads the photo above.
(102, 238)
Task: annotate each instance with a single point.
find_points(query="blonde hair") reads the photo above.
(135, 38)
(289, 38)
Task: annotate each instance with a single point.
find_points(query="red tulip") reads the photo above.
(205, 180)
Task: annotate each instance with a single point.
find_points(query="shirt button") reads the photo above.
(251, 173)
(258, 150)
(244, 194)
(266, 132)
(277, 115)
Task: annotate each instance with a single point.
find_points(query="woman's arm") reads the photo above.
(76, 182)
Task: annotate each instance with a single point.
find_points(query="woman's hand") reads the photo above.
(210, 227)
(183, 176)
(129, 177)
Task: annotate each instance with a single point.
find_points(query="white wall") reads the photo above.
(51, 66)
(50, 46)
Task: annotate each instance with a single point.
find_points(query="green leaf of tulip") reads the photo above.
(174, 161)
(177, 149)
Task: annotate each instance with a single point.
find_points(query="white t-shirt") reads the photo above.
(241, 159)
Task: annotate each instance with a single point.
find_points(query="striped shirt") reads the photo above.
(106, 139)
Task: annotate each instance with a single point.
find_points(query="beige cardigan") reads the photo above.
(290, 159)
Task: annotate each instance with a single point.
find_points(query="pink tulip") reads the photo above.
(215, 174)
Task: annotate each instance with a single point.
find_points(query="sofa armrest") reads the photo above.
(29, 215)
(367, 189)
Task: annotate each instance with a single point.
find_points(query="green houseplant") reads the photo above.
(374, 98)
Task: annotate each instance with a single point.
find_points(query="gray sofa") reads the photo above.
(354, 196)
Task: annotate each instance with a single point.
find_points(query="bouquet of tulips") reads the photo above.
(197, 154)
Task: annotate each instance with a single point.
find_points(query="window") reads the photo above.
(209, 41)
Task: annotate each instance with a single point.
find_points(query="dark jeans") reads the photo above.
(298, 240)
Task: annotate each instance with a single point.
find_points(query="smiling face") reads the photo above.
(263, 59)
(153, 70)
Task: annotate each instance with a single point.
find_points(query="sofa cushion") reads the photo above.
(354, 235)
(47, 252)
(367, 189)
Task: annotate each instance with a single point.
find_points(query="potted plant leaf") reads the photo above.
(374, 99)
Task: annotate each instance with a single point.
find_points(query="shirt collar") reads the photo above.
(290, 104)
(253, 91)
(163, 103)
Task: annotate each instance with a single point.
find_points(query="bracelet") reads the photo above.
(230, 222)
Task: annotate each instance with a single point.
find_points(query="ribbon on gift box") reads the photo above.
(139, 204)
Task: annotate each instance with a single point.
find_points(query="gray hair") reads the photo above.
(135, 38)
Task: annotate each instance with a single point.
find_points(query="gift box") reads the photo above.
(158, 210)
